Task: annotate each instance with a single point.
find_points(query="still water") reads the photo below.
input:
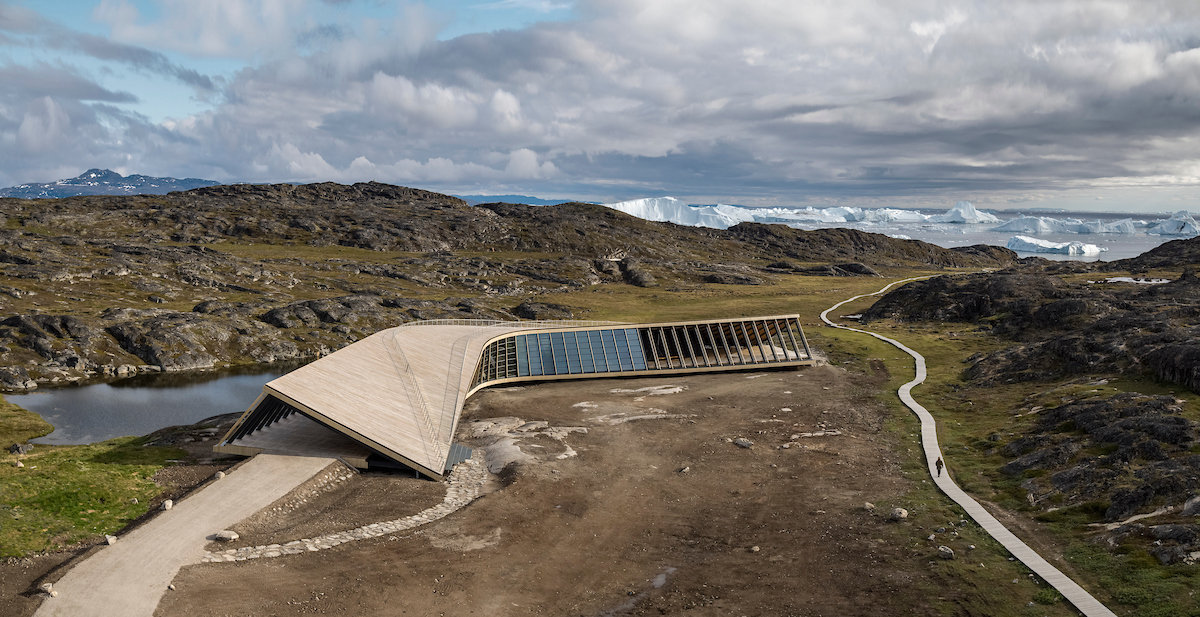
(143, 404)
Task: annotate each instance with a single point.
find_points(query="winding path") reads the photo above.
(1074, 594)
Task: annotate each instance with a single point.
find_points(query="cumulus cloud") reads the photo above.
(759, 102)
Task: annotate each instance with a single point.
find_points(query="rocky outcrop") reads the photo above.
(1060, 329)
(1144, 453)
(543, 310)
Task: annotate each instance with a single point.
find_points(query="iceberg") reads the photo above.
(964, 212)
(721, 216)
(1048, 225)
(669, 209)
(1180, 224)
(1025, 244)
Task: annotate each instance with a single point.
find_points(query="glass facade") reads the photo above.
(725, 343)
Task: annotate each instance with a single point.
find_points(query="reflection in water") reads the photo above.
(145, 403)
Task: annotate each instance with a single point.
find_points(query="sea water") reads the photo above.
(948, 235)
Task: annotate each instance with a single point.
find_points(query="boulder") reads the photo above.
(16, 378)
(945, 552)
(1191, 507)
(543, 310)
(725, 278)
(226, 535)
(742, 442)
(168, 504)
(898, 514)
(110, 539)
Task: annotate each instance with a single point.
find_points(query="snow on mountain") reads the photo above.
(1047, 225)
(964, 212)
(1025, 244)
(1180, 224)
(104, 182)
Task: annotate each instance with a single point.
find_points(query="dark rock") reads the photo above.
(732, 279)
(543, 311)
(858, 269)
(16, 378)
(1045, 458)
(635, 275)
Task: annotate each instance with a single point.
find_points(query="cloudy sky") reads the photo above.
(1090, 105)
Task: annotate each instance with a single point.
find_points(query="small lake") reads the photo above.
(143, 404)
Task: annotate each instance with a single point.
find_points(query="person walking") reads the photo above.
(939, 464)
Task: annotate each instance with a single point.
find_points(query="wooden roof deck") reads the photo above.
(399, 392)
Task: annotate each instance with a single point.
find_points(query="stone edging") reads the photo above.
(463, 487)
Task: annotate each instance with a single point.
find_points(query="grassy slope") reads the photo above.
(69, 494)
(1129, 581)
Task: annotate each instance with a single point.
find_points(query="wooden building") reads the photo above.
(394, 398)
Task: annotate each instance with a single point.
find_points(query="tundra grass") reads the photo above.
(978, 581)
(1127, 580)
(18, 425)
(805, 295)
(68, 494)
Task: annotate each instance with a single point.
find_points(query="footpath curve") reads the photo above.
(1076, 595)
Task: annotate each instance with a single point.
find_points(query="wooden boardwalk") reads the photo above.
(1076, 595)
(129, 578)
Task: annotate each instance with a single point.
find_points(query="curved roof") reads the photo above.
(399, 392)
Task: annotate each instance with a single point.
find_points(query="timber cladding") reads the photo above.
(400, 391)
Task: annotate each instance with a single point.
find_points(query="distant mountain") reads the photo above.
(475, 200)
(104, 182)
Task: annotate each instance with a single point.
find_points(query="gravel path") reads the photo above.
(128, 578)
(1076, 595)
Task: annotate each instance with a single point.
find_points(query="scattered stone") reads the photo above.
(133, 501)
(685, 470)
(168, 504)
(171, 587)
(53, 594)
(754, 549)
(20, 464)
(970, 547)
(226, 535)
(219, 475)
(945, 552)
(111, 540)
(742, 442)
(1191, 507)
(47, 587)
(868, 506)
(931, 537)
(898, 514)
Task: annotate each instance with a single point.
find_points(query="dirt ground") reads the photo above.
(617, 528)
